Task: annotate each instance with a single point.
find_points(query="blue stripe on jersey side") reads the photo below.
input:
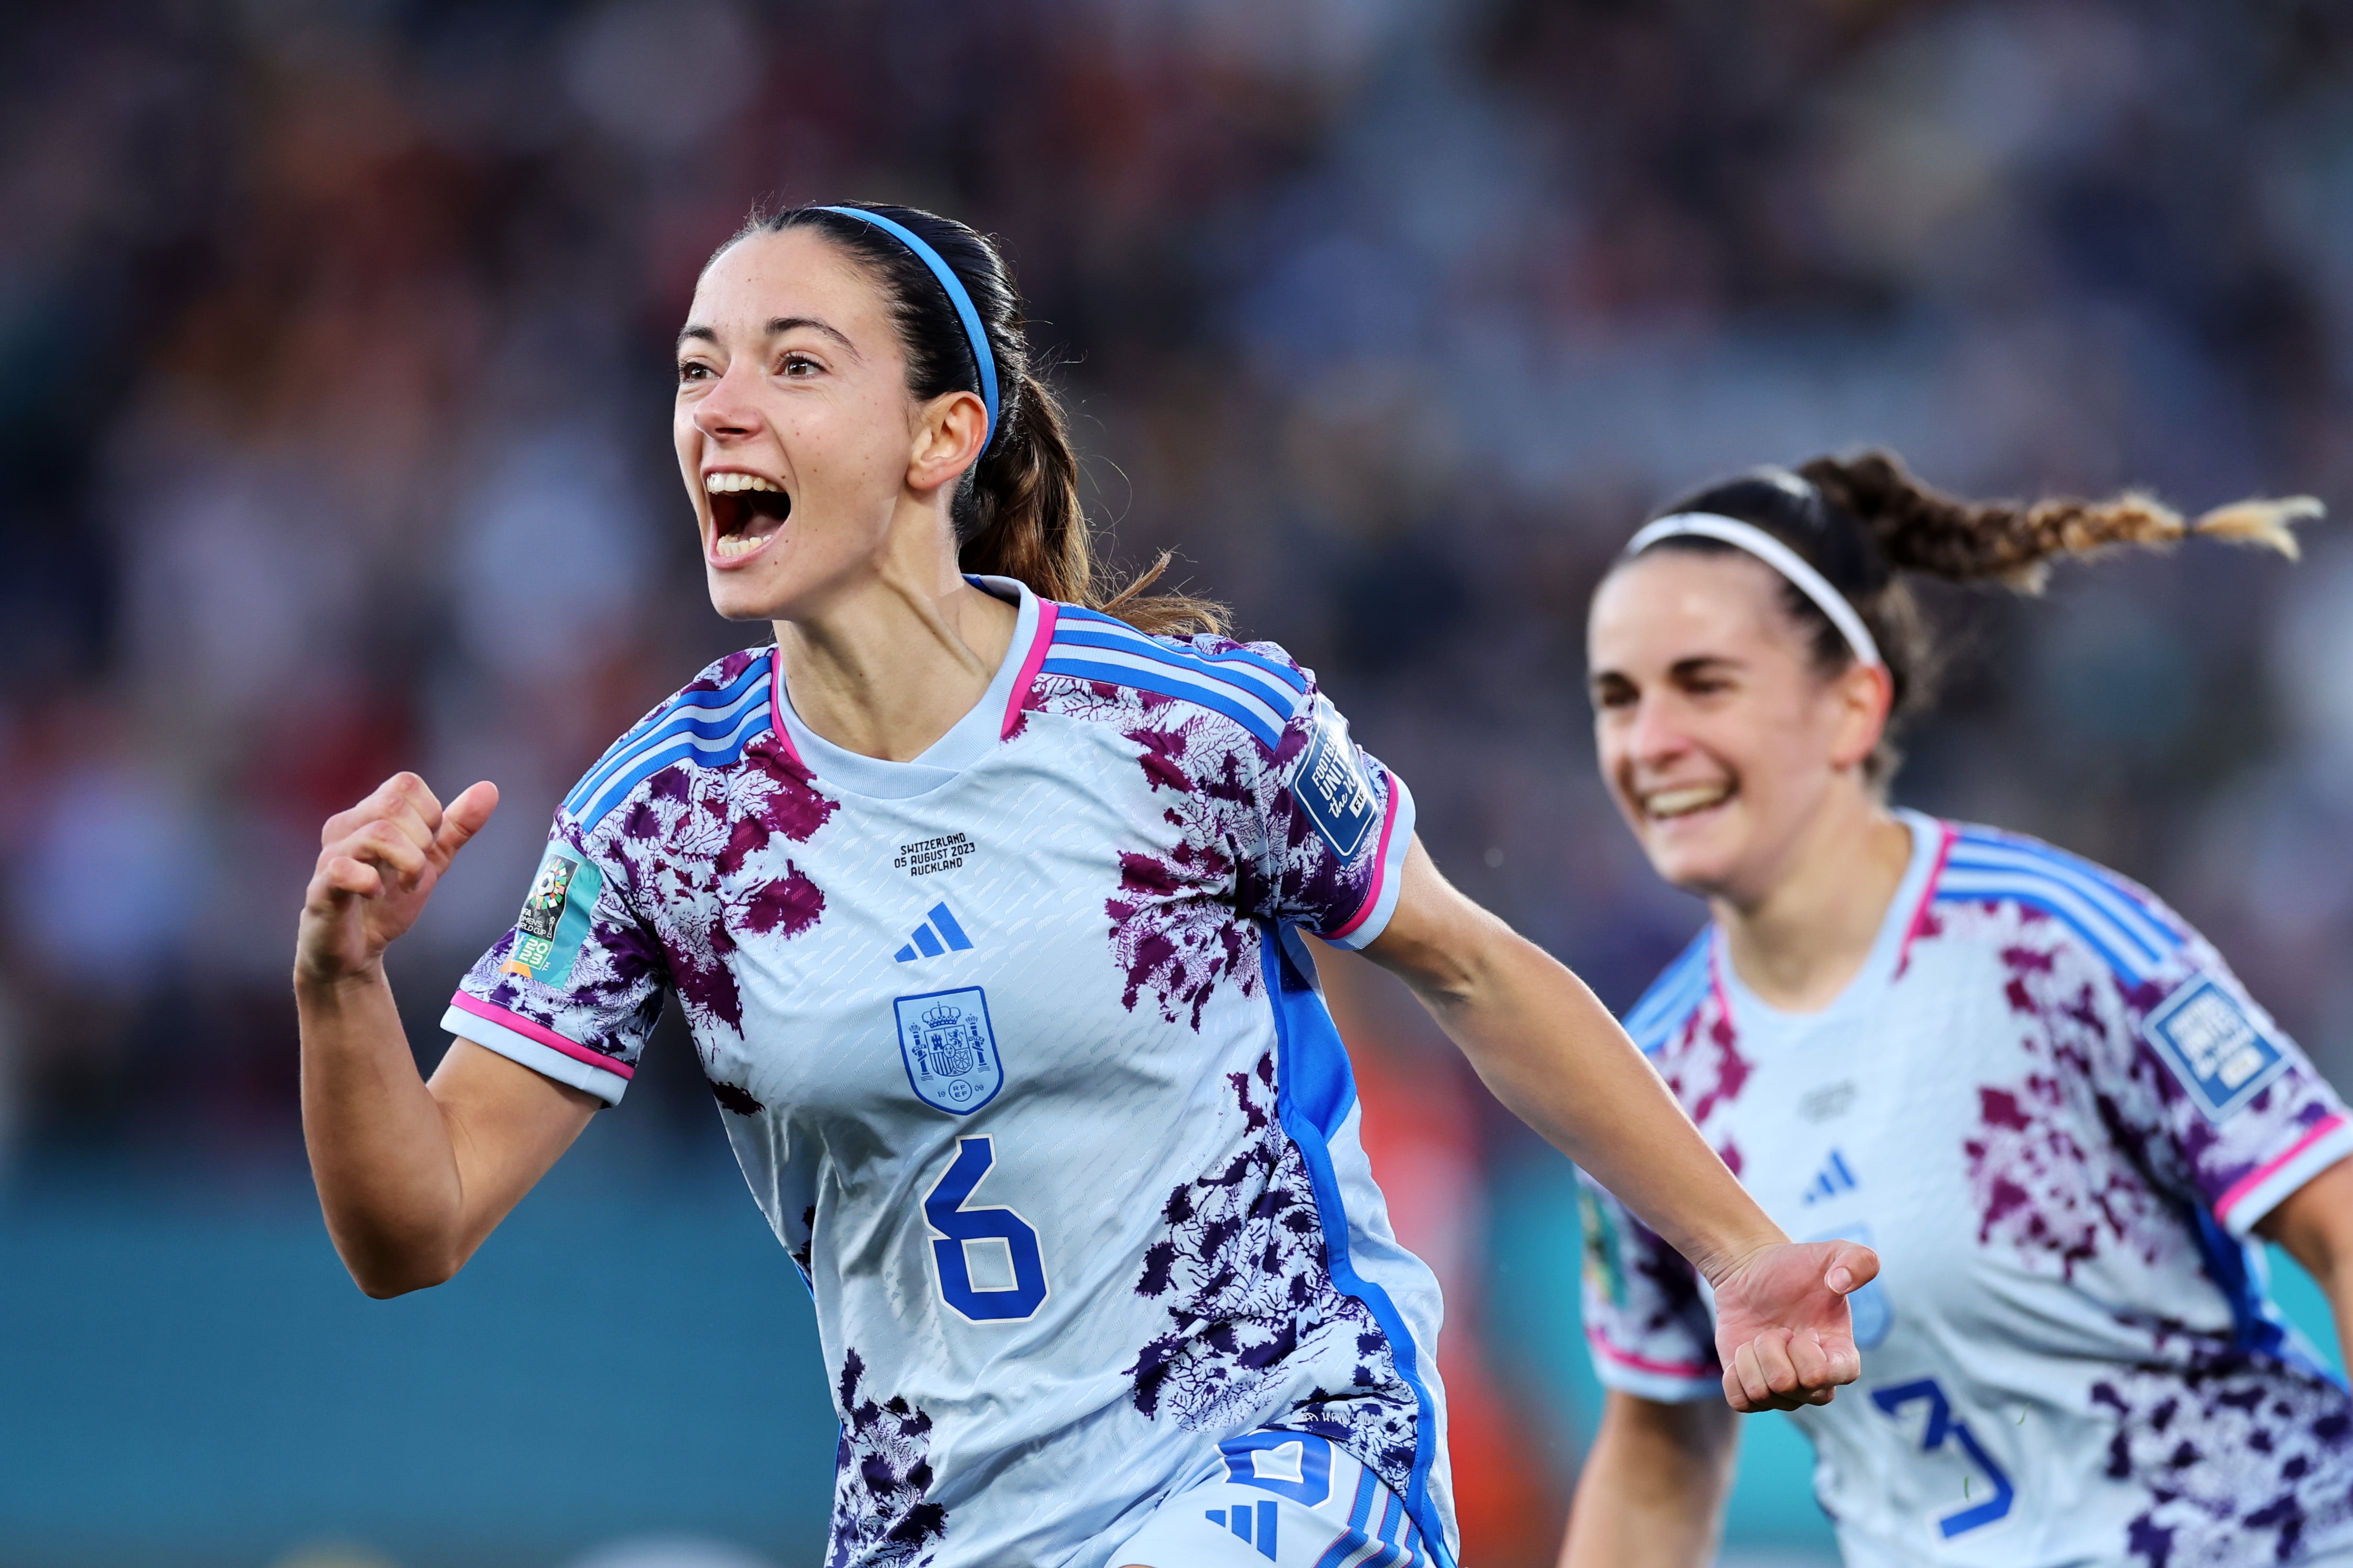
(1281, 700)
(696, 711)
(1981, 850)
(1314, 1088)
(755, 723)
(1273, 667)
(2234, 1267)
(1168, 686)
(1682, 986)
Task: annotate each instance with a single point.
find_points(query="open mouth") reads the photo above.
(1683, 800)
(746, 512)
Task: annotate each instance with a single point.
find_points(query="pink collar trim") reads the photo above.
(1048, 613)
(777, 725)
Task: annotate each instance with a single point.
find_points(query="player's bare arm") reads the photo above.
(1550, 1051)
(2314, 1224)
(1652, 1489)
(412, 1176)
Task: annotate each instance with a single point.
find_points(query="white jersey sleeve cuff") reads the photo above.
(2265, 1188)
(1668, 1382)
(545, 1061)
(1388, 872)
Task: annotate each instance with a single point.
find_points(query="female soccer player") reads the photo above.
(985, 904)
(2037, 1092)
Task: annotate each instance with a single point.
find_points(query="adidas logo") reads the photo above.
(937, 935)
(1831, 1180)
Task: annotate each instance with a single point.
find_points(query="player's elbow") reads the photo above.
(382, 1276)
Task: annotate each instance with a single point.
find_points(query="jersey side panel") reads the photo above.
(1646, 1323)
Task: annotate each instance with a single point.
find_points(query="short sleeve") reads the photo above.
(1648, 1325)
(1337, 829)
(2241, 1117)
(575, 989)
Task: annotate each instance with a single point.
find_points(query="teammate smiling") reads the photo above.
(983, 898)
(2038, 1092)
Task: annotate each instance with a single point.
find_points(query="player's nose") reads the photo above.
(1654, 738)
(729, 411)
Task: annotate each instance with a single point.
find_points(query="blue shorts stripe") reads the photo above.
(1343, 1548)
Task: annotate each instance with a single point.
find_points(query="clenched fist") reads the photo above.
(378, 863)
(1782, 1328)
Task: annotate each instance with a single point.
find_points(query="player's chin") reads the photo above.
(1699, 858)
(742, 596)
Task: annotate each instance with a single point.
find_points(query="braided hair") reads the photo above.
(1865, 521)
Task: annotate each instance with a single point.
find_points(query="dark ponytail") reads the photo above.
(1864, 521)
(1016, 510)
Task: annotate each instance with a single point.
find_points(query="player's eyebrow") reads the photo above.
(1701, 664)
(777, 327)
(783, 324)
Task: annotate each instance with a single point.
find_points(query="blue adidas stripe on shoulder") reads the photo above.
(1680, 988)
(1261, 694)
(711, 727)
(2135, 936)
(1273, 667)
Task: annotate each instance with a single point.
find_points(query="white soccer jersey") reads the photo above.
(1023, 1059)
(2055, 1114)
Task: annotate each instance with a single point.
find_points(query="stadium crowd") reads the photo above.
(333, 411)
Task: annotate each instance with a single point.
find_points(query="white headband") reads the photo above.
(1747, 536)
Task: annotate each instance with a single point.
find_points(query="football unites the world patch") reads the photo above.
(1331, 787)
(2220, 1053)
(949, 1049)
(555, 918)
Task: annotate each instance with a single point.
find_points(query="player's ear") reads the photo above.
(947, 439)
(1864, 695)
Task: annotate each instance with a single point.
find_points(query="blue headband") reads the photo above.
(973, 329)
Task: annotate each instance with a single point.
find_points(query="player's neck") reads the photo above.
(888, 668)
(1803, 941)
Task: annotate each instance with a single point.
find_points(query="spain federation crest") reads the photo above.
(949, 1050)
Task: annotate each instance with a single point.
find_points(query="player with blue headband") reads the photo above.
(989, 895)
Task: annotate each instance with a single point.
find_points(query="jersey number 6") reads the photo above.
(998, 1240)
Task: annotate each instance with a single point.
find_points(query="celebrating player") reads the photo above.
(983, 898)
(2038, 1093)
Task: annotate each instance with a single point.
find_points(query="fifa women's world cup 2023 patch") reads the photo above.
(555, 918)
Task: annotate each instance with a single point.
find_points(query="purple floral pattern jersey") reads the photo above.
(2052, 1110)
(1020, 1048)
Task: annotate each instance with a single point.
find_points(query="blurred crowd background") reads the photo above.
(335, 389)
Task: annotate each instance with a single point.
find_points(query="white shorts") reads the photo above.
(1287, 1498)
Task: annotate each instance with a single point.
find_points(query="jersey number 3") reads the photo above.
(995, 1244)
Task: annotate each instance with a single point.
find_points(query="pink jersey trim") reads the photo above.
(1380, 867)
(1048, 613)
(542, 1034)
(1948, 834)
(1644, 1363)
(776, 707)
(2237, 1191)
